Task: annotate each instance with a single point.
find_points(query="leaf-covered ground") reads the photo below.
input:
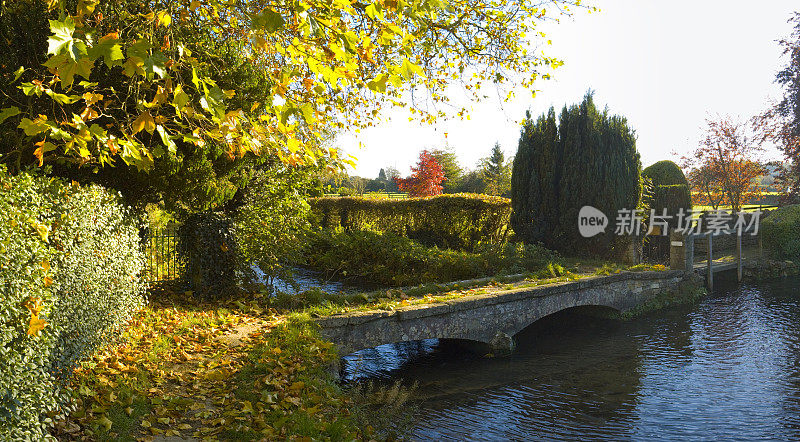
(185, 371)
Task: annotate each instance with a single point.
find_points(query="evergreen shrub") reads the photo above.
(209, 249)
(70, 280)
(781, 233)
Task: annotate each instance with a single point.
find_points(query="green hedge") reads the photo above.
(209, 250)
(72, 258)
(673, 198)
(665, 173)
(392, 260)
(457, 221)
(781, 233)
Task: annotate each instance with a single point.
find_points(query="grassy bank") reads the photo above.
(315, 303)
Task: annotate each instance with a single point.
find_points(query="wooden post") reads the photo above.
(760, 246)
(739, 256)
(710, 276)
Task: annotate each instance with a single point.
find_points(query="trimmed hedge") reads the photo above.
(781, 233)
(673, 198)
(72, 263)
(665, 173)
(457, 221)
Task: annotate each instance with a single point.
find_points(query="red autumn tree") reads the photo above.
(426, 179)
(724, 168)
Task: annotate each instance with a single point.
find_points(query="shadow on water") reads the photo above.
(725, 368)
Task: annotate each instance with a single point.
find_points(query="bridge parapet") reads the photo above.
(494, 318)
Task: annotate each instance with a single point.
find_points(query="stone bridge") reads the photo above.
(494, 318)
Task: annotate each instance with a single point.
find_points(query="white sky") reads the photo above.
(663, 65)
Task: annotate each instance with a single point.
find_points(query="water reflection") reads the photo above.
(726, 368)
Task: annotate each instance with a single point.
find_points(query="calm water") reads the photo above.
(726, 368)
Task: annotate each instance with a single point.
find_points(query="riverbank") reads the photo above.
(188, 369)
(252, 368)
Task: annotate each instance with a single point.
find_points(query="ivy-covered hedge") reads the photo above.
(456, 221)
(70, 279)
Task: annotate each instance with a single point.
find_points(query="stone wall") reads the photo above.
(496, 317)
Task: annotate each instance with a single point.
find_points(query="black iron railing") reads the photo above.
(162, 263)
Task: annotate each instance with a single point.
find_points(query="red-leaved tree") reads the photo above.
(725, 167)
(426, 179)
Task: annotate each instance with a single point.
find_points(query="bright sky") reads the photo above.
(663, 65)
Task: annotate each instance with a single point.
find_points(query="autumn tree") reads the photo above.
(724, 168)
(426, 178)
(94, 83)
(781, 123)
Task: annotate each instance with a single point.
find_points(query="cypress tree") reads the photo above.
(586, 158)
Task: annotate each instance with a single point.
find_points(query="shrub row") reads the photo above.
(70, 278)
(457, 221)
(397, 261)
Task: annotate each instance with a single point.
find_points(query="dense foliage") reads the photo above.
(209, 249)
(665, 173)
(397, 261)
(450, 168)
(70, 279)
(273, 224)
(458, 221)
(496, 173)
(670, 189)
(673, 198)
(585, 157)
(128, 81)
(781, 233)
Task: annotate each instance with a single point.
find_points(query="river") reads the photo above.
(724, 368)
